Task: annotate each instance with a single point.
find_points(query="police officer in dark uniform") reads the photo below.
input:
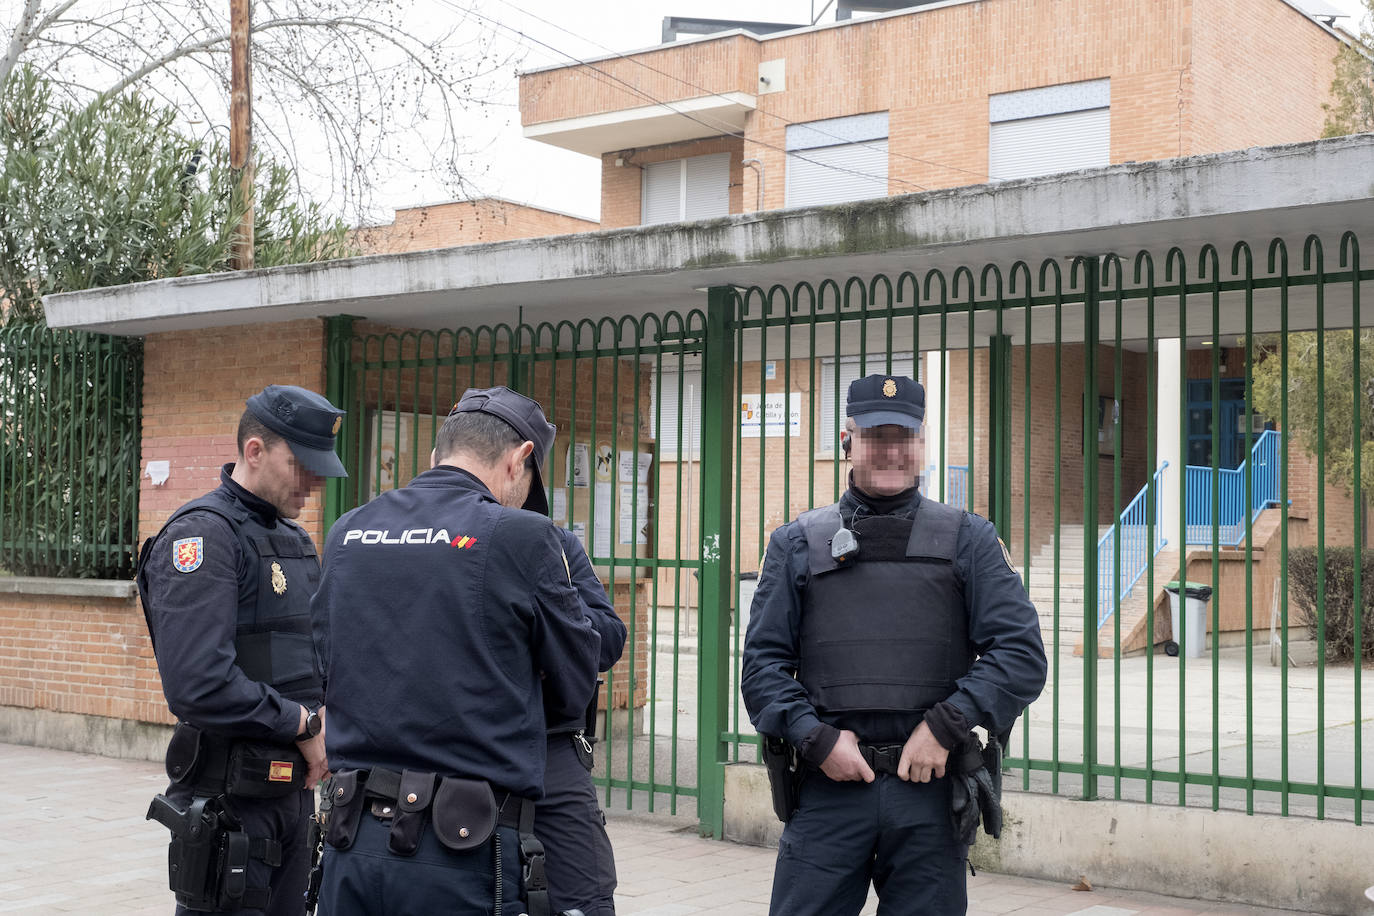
(568, 820)
(448, 626)
(883, 629)
(226, 587)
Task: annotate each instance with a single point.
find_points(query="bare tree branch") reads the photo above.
(348, 91)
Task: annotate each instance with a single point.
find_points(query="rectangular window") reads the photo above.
(837, 160)
(1051, 129)
(686, 189)
(850, 368)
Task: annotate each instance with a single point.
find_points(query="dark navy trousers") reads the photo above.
(578, 860)
(896, 835)
(367, 879)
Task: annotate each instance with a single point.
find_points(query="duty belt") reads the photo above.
(883, 758)
(463, 813)
(385, 787)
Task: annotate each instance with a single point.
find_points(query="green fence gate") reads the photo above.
(1054, 390)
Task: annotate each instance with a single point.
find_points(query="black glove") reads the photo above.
(964, 807)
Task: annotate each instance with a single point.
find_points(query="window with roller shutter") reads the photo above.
(837, 160)
(686, 189)
(1051, 129)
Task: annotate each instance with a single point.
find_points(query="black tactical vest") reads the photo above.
(278, 574)
(885, 630)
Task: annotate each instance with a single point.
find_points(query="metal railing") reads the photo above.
(1141, 539)
(1263, 469)
(1024, 359)
(956, 483)
(69, 452)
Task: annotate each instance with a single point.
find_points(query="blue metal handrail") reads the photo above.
(1134, 526)
(956, 485)
(1263, 466)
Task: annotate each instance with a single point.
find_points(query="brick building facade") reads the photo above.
(465, 222)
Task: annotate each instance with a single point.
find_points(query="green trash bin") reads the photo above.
(1193, 625)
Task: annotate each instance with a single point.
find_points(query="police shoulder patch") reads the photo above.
(188, 554)
(1006, 554)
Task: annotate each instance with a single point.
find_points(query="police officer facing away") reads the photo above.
(883, 628)
(448, 625)
(226, 587)
(568, 820)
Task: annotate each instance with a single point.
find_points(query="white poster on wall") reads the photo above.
(579, 464)
(628, 469)
(601, 526)
(634, 519)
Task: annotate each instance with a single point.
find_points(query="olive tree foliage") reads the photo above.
(110, 193)
(1327, 423)
(1351, 109)
(345, 92)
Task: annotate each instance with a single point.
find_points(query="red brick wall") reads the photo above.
(1260, 71)
(89, 656)
(673, 73)
(195, 384)
(465, 222)
(1187, 77)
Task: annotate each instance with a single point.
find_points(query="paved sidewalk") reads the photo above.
(73, 840)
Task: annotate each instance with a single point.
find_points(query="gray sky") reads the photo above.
(519, 169)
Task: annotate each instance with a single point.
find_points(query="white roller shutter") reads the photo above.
(835, 174)
(1053, 143)
(708, 186)
(662, 192)
(686, 189)
(667, 411)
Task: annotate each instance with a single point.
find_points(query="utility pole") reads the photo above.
(241, 125)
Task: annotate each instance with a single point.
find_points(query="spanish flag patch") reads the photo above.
(280, 771)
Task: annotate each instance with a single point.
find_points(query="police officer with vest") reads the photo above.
(448, 626)
(883, 629)
(226, 587)
(568, 820)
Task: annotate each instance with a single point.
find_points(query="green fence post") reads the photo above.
(999, 433)
(719, 416)
(1091, 328)
(338, 332)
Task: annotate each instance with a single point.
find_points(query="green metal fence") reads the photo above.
(69, 452)
(613, 388)
(1054, 390)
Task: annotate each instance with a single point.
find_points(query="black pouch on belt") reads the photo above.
(412, 803)
(346, 809)
(183, 753)
(260, 770)
(464, 813)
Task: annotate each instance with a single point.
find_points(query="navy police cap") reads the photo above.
(526, 417)
(308, 423)
(881, 400)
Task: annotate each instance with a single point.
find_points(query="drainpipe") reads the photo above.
(757, 163)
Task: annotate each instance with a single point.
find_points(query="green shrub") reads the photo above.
(1339, 605)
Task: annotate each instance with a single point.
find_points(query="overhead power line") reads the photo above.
(719, 127)
(759, 108)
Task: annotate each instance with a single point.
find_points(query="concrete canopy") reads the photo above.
(1321, 188)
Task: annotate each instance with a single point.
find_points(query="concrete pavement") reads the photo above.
(73, 840)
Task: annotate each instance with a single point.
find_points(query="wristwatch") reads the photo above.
(313, 724)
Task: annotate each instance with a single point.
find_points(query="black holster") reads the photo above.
(976, 789)
(207, 860)
(784, 776)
